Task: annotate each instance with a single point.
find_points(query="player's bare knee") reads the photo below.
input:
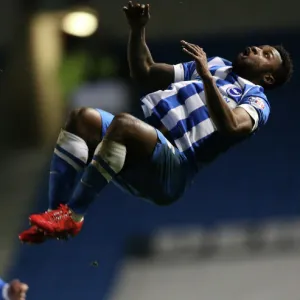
(73, 120)
(122, 125)
(123, 118)
(84, 122)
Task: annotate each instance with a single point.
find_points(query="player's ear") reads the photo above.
(269, 79)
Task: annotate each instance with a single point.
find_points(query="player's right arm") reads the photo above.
(150, 75)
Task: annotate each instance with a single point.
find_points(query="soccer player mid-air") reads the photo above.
(194, 111)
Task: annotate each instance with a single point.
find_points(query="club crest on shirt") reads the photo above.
(257, 102)
(234, 92)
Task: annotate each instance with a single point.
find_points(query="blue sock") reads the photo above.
(90, 185)
(65, 168)
(108, 161)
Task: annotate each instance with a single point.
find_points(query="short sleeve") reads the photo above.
(187, 71)
(184, 71)
(217, 61)
(255, 102)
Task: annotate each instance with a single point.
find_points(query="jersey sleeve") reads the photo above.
(256, 104)
(184, 71)
(218, 62)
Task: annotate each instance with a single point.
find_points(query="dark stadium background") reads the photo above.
(251, 191)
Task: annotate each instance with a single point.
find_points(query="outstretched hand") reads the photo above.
(137, 14)
(199, 57)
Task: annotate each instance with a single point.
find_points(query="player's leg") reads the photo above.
(161, 180)
(77, 140)
(80, 136)
(128, 141)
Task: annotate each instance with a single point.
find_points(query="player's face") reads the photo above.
(258, 63)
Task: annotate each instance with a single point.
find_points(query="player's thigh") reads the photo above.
(162, 179)
(139, 137)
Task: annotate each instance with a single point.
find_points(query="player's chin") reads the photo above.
(242, 62)
(243, 59)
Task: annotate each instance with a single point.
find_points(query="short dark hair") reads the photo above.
(284, 73)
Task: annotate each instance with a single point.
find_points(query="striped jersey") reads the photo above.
(182, 108)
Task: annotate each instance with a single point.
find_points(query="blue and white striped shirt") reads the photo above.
(182, 108)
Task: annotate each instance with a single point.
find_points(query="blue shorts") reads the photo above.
(162, 179)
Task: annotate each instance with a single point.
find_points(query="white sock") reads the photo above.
(73, 145)
(113, 154)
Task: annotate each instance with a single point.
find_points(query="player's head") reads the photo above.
(268, 66)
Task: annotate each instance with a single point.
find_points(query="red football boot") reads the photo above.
(33, 236)
(57, 223)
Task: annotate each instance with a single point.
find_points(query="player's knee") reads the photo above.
(84, 122)
(123, 124)
(75, 119)
(123, 119)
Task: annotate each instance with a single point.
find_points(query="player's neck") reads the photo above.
(248, 77)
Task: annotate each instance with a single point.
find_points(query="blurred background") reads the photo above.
(234, 236)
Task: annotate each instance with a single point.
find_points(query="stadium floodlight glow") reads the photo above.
(80, 23)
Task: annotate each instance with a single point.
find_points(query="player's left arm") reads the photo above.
(235, 122)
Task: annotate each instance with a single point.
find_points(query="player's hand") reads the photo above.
(199, 56)
(137, 14)
(17, 290)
